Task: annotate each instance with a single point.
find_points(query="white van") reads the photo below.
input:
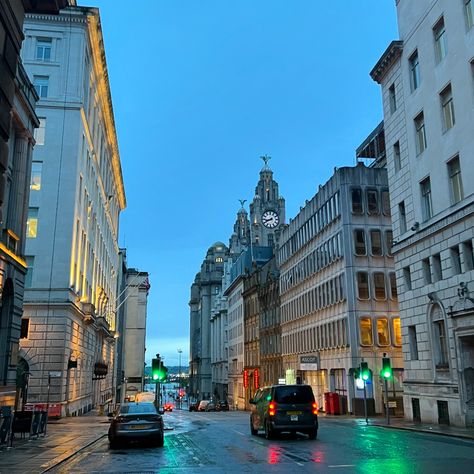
(145, 397)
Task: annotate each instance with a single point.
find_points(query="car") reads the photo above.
(284, 408)
(211, 406)
(203, 405)
(136, 422)
(222, 405)
(193, 406)
(168, 407)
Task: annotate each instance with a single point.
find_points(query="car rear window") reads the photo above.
(138, 408)
(303, 394)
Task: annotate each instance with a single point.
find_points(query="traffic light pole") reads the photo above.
(387, 408)
(365, 404)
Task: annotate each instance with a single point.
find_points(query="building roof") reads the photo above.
(391, 54)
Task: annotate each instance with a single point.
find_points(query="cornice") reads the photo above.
(391, 54)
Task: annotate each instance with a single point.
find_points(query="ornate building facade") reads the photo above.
(77, 194)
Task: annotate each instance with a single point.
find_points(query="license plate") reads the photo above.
(294, 417)
(138, 427)
(294, 412)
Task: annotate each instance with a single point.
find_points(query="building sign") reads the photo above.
(256, 379)
(246, 378)
(308, 362)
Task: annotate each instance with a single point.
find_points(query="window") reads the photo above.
(392, 98)
(439, 338)
(426, 204)
(357, 207)
(25, 325)
(407, 278)
(455, 260)
(41, 84)
(32, 223)
(372, 202)
(397, 332)
(389, 241)
(386, 203)
(413, 342)
(365, 327)
(437, 272)
(447, 108)
(359, 242)
(40, 132)
(35, 181)
(383, 337)
(30, 261)
(455, 181)
(379, 286)
(414, 66)
(468, 255)
(403, 217)
(393, 285)
(426, 268)
(363, 285)
(376, 242)
(397, 161)
(439, 33)
(469, 14)
(43, 49)
(420, 134)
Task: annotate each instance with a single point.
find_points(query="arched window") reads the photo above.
(440, 341)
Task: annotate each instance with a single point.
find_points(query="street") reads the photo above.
(221, 442)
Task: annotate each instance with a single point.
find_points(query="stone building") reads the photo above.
(426, 77)
(17, 122)
(205, 291)
(337, 288)
(77, 194)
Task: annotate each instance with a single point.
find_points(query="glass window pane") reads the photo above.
(376, 242)
(379, 285)
(365, 327)
(397, 331)
(372, 201)
(357, 207)
(35, 182)
(383, 337)
(363, 285)
(32, 223)
(359, 242)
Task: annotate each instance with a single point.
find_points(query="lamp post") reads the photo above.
(179, 378)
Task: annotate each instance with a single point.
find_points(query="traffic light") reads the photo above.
(364, 371)
(357, 373)
(163, 374)
(386, 368)
(155, 369)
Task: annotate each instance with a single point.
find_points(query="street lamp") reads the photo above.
(179, 378)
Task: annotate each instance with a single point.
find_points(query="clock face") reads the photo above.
(270, 219)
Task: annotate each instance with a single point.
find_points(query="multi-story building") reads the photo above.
(271, 364)
(205, 291)
(427, 89)
(17, 122)
(77, 194)
(337, 288)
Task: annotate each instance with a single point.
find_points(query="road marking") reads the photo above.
(240, 433)
(343, 465)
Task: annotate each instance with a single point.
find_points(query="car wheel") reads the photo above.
(253, 431)
(114, 444)
(312, 434)
(269, 432)
(159, 441)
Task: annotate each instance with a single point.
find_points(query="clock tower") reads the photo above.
(267, 210)
(240, 238)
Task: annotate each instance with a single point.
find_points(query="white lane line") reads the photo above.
(342, 465)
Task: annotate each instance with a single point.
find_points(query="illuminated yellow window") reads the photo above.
(365, 326)
(35, 182)
(383, 336)
(32, 223)
(397, 332)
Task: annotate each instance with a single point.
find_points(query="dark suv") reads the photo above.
(281, 408)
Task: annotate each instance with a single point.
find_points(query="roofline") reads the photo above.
(391, 54)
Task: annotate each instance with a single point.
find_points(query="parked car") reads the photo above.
(136, 422)
(203, 405)
(211, 406)
(193, 406)
(279, 408)
(168, 407)
(222, 405)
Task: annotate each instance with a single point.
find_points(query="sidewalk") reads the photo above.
(64, 438)
(403, 424)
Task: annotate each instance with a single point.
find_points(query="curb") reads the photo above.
(420, 430)
(68, 455)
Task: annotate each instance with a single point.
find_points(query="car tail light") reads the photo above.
(315, 408)
(272, 406)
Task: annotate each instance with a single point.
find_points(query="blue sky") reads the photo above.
(200, 90)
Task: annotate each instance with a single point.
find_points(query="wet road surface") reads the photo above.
(221, 442)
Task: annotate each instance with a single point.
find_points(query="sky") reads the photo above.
(201, 89)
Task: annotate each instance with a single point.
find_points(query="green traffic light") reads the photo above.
(386, 368)
(155, 376)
